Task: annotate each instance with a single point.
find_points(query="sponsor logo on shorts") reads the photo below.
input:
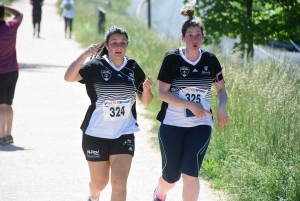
(129, 143)
(126, 142)
(92, 153)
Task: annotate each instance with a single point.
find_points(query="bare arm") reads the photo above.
(222, 99)
(165, 95)
(72, 73)
(147, 96)
(17, 15)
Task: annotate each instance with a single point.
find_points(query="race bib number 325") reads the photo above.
(194, 94)
(116, 110)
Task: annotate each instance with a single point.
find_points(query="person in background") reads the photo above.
(36, 16)
(185, 80)
(113, 81)
(9, 70)
(67, 7)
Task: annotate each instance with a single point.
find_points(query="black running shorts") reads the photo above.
(99, 149)
(36, 16)
(8, 83)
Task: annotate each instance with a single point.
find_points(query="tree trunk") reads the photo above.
(249, 40)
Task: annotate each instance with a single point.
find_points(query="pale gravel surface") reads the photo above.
(46, 161)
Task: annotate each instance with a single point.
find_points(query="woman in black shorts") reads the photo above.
(185, 81)
(112, 82)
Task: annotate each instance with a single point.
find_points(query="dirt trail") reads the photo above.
(46, 161)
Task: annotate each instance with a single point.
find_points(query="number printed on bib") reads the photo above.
(194, 94)
(116, 110)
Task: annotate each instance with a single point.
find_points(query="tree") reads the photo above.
(253, 21)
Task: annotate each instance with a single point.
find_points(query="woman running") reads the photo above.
(185, 81)
(112, 82)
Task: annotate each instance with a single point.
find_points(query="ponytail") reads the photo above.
(101, 51)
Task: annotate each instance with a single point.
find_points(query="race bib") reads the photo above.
(116, 110)
(196, 95)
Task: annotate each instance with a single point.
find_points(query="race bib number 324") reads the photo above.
(116, 110)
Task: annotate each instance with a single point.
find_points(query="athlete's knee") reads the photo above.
(118, 183)
(188, 178)
(98, 185)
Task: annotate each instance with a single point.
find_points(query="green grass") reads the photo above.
(256, 156)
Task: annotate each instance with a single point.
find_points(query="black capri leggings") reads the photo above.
(183, 150)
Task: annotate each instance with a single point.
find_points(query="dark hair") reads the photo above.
(2, 9)
(112, 30)
(188, 10)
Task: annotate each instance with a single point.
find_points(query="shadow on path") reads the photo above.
(24, 66)
(11, 148)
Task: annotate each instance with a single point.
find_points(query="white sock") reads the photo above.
(93, 199)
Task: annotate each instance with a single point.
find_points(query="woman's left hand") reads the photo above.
(147, 83)
(222, 117)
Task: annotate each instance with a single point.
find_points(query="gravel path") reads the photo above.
(46, 161)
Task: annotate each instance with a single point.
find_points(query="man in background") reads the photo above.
(9, 70)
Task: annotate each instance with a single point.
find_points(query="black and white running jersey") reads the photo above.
(191, 81)
(112, 91)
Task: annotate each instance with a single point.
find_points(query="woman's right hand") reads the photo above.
(91, 50)
(72, 73)
(198, 110)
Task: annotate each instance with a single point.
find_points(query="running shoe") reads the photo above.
(2, 139)
(8, 139)
(155, 198)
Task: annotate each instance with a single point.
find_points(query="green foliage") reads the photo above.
(253, 21)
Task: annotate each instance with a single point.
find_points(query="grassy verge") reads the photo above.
(256, 156)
